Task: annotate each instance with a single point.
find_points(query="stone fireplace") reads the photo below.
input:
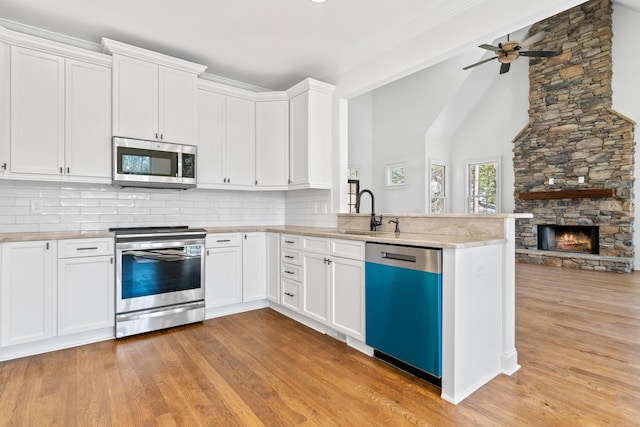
(574, 161)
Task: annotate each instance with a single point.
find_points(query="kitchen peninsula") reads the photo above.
(478, 336)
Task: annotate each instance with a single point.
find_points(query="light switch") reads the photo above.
(581, 180)
(551, 181)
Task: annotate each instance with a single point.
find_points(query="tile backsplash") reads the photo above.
(29, 206)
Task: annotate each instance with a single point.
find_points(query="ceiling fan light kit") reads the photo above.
(508, 51)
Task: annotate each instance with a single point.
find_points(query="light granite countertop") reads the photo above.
(412, 239)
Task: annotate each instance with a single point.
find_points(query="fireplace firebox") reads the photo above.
(568, 238)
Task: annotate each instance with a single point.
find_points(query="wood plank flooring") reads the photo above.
(577, 334)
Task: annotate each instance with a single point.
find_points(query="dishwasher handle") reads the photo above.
(398, 257)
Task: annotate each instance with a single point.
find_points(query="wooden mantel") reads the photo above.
(568, 194)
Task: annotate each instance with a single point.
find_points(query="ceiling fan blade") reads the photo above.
(478, 63)
(504, 68)
(534, 39)
(490, 47)
(540, 53)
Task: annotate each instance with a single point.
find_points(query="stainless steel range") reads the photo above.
(159, 278)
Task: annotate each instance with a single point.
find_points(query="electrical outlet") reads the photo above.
(551, 181)
(479, 269)
(36, 206)
(581, 180)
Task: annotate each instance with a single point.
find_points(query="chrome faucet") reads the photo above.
(375, 221)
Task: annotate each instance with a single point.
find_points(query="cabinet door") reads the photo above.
(85, 294)
(315, 292)
(347, 297)
(273, 267)
(135, 98)
(272, 143)
(37, 112)
(299, 149)
(5, 116)
(177, 107)
(28, 282)
(254, 267)
(240, 156)
(211, 137)
(223, 276)
(88, 120)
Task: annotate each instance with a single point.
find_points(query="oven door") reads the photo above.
(158, 273)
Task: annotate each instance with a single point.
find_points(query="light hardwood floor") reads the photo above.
(577, 334)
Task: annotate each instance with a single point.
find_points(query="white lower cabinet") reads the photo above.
(273, 267)
(254, 266)
(347, 296)
(332, 283)
(28, 309)
(86, 285)
(223, 269)
(315, 294)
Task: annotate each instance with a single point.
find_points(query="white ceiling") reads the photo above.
(270, 44)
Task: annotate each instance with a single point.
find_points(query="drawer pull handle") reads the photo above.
(291, 242)
(289, 294)
(288, 272)
(289, 256)
(223, 241)
(93, 248)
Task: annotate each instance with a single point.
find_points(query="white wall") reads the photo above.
(626, 87)
(361, 141)
(403, 111)
(489, 131)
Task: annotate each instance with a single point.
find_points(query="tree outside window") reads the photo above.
(483, 186)
(437, 188)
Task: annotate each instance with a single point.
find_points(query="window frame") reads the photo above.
(468, 197)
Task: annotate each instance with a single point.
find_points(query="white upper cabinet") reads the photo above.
(5, 105)
(226, 140)
(135, 98)
(37, 112)
(57, 124)
(154, 95)
(310, 133)
(272, 144)
(88, 120)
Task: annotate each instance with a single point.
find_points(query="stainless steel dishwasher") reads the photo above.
(404, 307)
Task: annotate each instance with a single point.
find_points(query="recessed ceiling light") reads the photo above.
(318, 1)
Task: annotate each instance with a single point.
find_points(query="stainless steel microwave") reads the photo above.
(139, 163)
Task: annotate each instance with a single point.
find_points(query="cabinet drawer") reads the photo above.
(292, 272)
(73, 248)
(290, 241)
(347, 249)
(223, 240)
(291, 257)
(291, 295)
(315, 244)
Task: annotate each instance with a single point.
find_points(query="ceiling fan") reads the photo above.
(509, 51)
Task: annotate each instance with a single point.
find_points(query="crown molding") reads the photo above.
(231, 82)
(224, 89)
(36, 42)
(310, 84)
(115, 47)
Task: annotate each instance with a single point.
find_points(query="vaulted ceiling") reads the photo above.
(269, 44)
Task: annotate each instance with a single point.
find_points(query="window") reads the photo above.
(352, 194)
(482, 186)
(437, 188)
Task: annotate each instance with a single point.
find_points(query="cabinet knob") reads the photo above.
(68, 170)
(4, 166)
(156, 135)
(161, 137)
(60, 169)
